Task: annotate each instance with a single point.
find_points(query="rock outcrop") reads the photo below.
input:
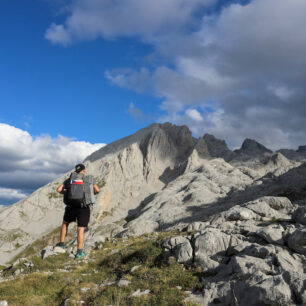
(251, 250)
(244, 211)
(253, 148)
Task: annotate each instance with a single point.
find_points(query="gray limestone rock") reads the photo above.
(272, 234)
(297, 283)
(297, 241)
(244, 266)
(240, 213)
(50, 250)
(273, 289)
(139, 293)
(299, 215)
(135, 268)
(265, 207)
(184, 252)
(123, 283)
(196, 226)
(172, 242)
(212, 241)
(259, 251)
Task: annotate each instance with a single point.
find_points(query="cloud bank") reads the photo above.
(236, 72)
(28, 162)
(90, 19)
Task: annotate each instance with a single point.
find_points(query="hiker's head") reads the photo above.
(80, 168)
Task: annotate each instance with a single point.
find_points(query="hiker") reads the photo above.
(79, 191)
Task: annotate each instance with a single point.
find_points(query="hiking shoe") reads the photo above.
(80, 255)
(60, 245)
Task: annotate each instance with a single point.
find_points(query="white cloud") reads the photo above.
(194, 115)
(90, 19)
(245, 62)
(27, 162)
(11, 194)
(57, 33)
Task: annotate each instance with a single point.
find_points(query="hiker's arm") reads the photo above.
(60, 188)
(96, 189)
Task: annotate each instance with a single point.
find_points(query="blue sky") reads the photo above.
(77, 74)
(47, 88)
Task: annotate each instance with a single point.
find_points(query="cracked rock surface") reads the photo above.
(251, 262)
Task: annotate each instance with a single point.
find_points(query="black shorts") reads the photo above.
(81, 215)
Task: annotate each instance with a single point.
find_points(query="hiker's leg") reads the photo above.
(83, 219)
(80, 237)
(64, 231)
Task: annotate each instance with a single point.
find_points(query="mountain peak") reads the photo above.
(252, 147)
(179, 134)
(217, 147)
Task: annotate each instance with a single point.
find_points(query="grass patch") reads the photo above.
(50, 239)
(111, 263)
(54, 195)
(100, 183)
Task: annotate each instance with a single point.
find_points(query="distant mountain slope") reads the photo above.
(161, 168)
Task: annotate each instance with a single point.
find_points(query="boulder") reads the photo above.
(51, 250)
(184, 252)
(265, 207)
(299, 215)
(272, 290)
(244, 266)
(272, 234)
(196, 226)
(212, 241)
(172, 242)
(297, 283)
(297, 241)
(259, 251)
(240, 213)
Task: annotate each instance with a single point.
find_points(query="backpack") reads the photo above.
(74, 194)
(79, 190)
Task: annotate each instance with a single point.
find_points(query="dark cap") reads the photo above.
(79, 168)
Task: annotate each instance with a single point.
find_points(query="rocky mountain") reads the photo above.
(299, 154)
(243, 211)
(253, 148)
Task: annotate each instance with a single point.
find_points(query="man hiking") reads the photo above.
(78, 192)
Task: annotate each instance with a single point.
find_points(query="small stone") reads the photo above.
(178, 287)
(29, 264)
(85, 289)
(114, 252)
(107, 283)
(123, 283)
(59, 250)
(3, 303)
(139, 293)
(50, 250)
(135, 268)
